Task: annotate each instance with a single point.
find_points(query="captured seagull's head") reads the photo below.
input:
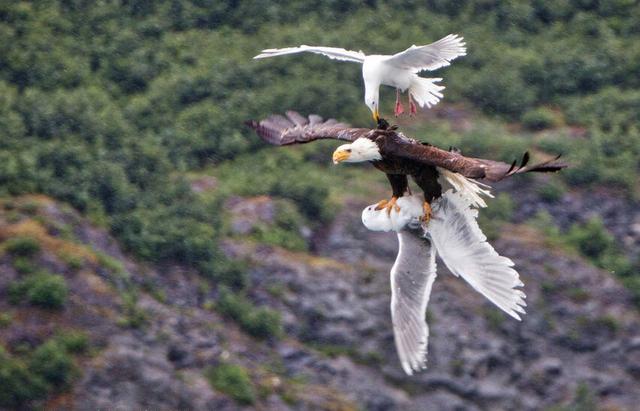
(360, 150)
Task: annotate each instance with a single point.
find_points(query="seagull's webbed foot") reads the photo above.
(399, 109)
(388, 205)
(413, 110)
(426, 217)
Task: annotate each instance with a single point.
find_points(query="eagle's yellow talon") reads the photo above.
(388, 205)
(381, 204)
(426, 217)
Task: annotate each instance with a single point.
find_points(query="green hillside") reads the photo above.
(119, 109)
(108, 107)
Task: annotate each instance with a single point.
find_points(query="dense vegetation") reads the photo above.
(114, 109)
(106, 107)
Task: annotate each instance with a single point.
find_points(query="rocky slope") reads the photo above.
(578, 344)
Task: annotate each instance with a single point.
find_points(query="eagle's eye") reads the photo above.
(348, 150)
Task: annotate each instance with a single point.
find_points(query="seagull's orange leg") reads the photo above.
(399, 109)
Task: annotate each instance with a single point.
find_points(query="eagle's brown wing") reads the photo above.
(470, 167)
(296, 129)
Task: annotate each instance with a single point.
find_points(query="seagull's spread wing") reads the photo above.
(297, 129)
(398, 145)
(412, 276)
(430, 57)
(331, 52)
(465, 251)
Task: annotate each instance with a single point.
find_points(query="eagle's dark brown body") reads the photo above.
(401, 156)
(397, 170)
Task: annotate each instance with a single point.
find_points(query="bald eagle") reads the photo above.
(398, 156)
(447, 180)
(398, 70)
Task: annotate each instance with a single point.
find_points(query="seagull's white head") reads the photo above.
(371, 99)
(360, 150)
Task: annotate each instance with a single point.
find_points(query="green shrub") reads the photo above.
(591, 238)
(22, 246)
(24, 265)
(232, 380)
(74, 342)
(540, 118)
(264, 323)
(552, 191)
(499, 208)
(258, 322)
(53, 364)
(5, 320)
(226, 272)
(285, 230)
(40, 289)
(18, 384)
(133, 315)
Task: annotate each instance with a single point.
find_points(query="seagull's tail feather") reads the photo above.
(425, 91)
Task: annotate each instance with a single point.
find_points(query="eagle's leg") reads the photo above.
(413, 110)
(426, 217)
(399, 185)
(399, 108)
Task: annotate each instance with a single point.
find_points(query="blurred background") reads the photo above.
(154, 254)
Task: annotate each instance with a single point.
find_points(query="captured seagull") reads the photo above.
(399, 70)
(441, 220)
(454, 235)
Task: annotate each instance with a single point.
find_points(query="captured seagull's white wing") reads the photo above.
(331, 52)
(412, 276)
(471, 190)
(466, 252)
(430, 57)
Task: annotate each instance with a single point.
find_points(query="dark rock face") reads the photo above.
(581, 332)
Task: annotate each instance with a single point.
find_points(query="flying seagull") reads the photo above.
(454, 235)
(398, 70)
(433, 169)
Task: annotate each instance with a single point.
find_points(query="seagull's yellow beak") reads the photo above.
(340, 155)
(376, 115)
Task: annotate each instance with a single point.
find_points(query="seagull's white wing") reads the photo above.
(412, 276)
(331, 52)
(430, 57)
(470, 189)
(466, 252)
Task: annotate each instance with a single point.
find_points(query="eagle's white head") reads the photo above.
(362, 149)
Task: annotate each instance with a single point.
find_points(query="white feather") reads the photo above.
(465, 251)
(412, 276)
(409, 215)
(456, 237)
(471, 190)
(398, 70)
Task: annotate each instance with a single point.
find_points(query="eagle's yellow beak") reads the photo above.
(340, 155)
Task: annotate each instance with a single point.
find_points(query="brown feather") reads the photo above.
(401, 155)
(296, 129)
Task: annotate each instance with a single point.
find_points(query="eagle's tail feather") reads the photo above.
(425, 91)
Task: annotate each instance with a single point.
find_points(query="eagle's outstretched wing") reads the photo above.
(412, 276)
(334, 53)
(430, 57)
(477, 168)
(296, 129)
